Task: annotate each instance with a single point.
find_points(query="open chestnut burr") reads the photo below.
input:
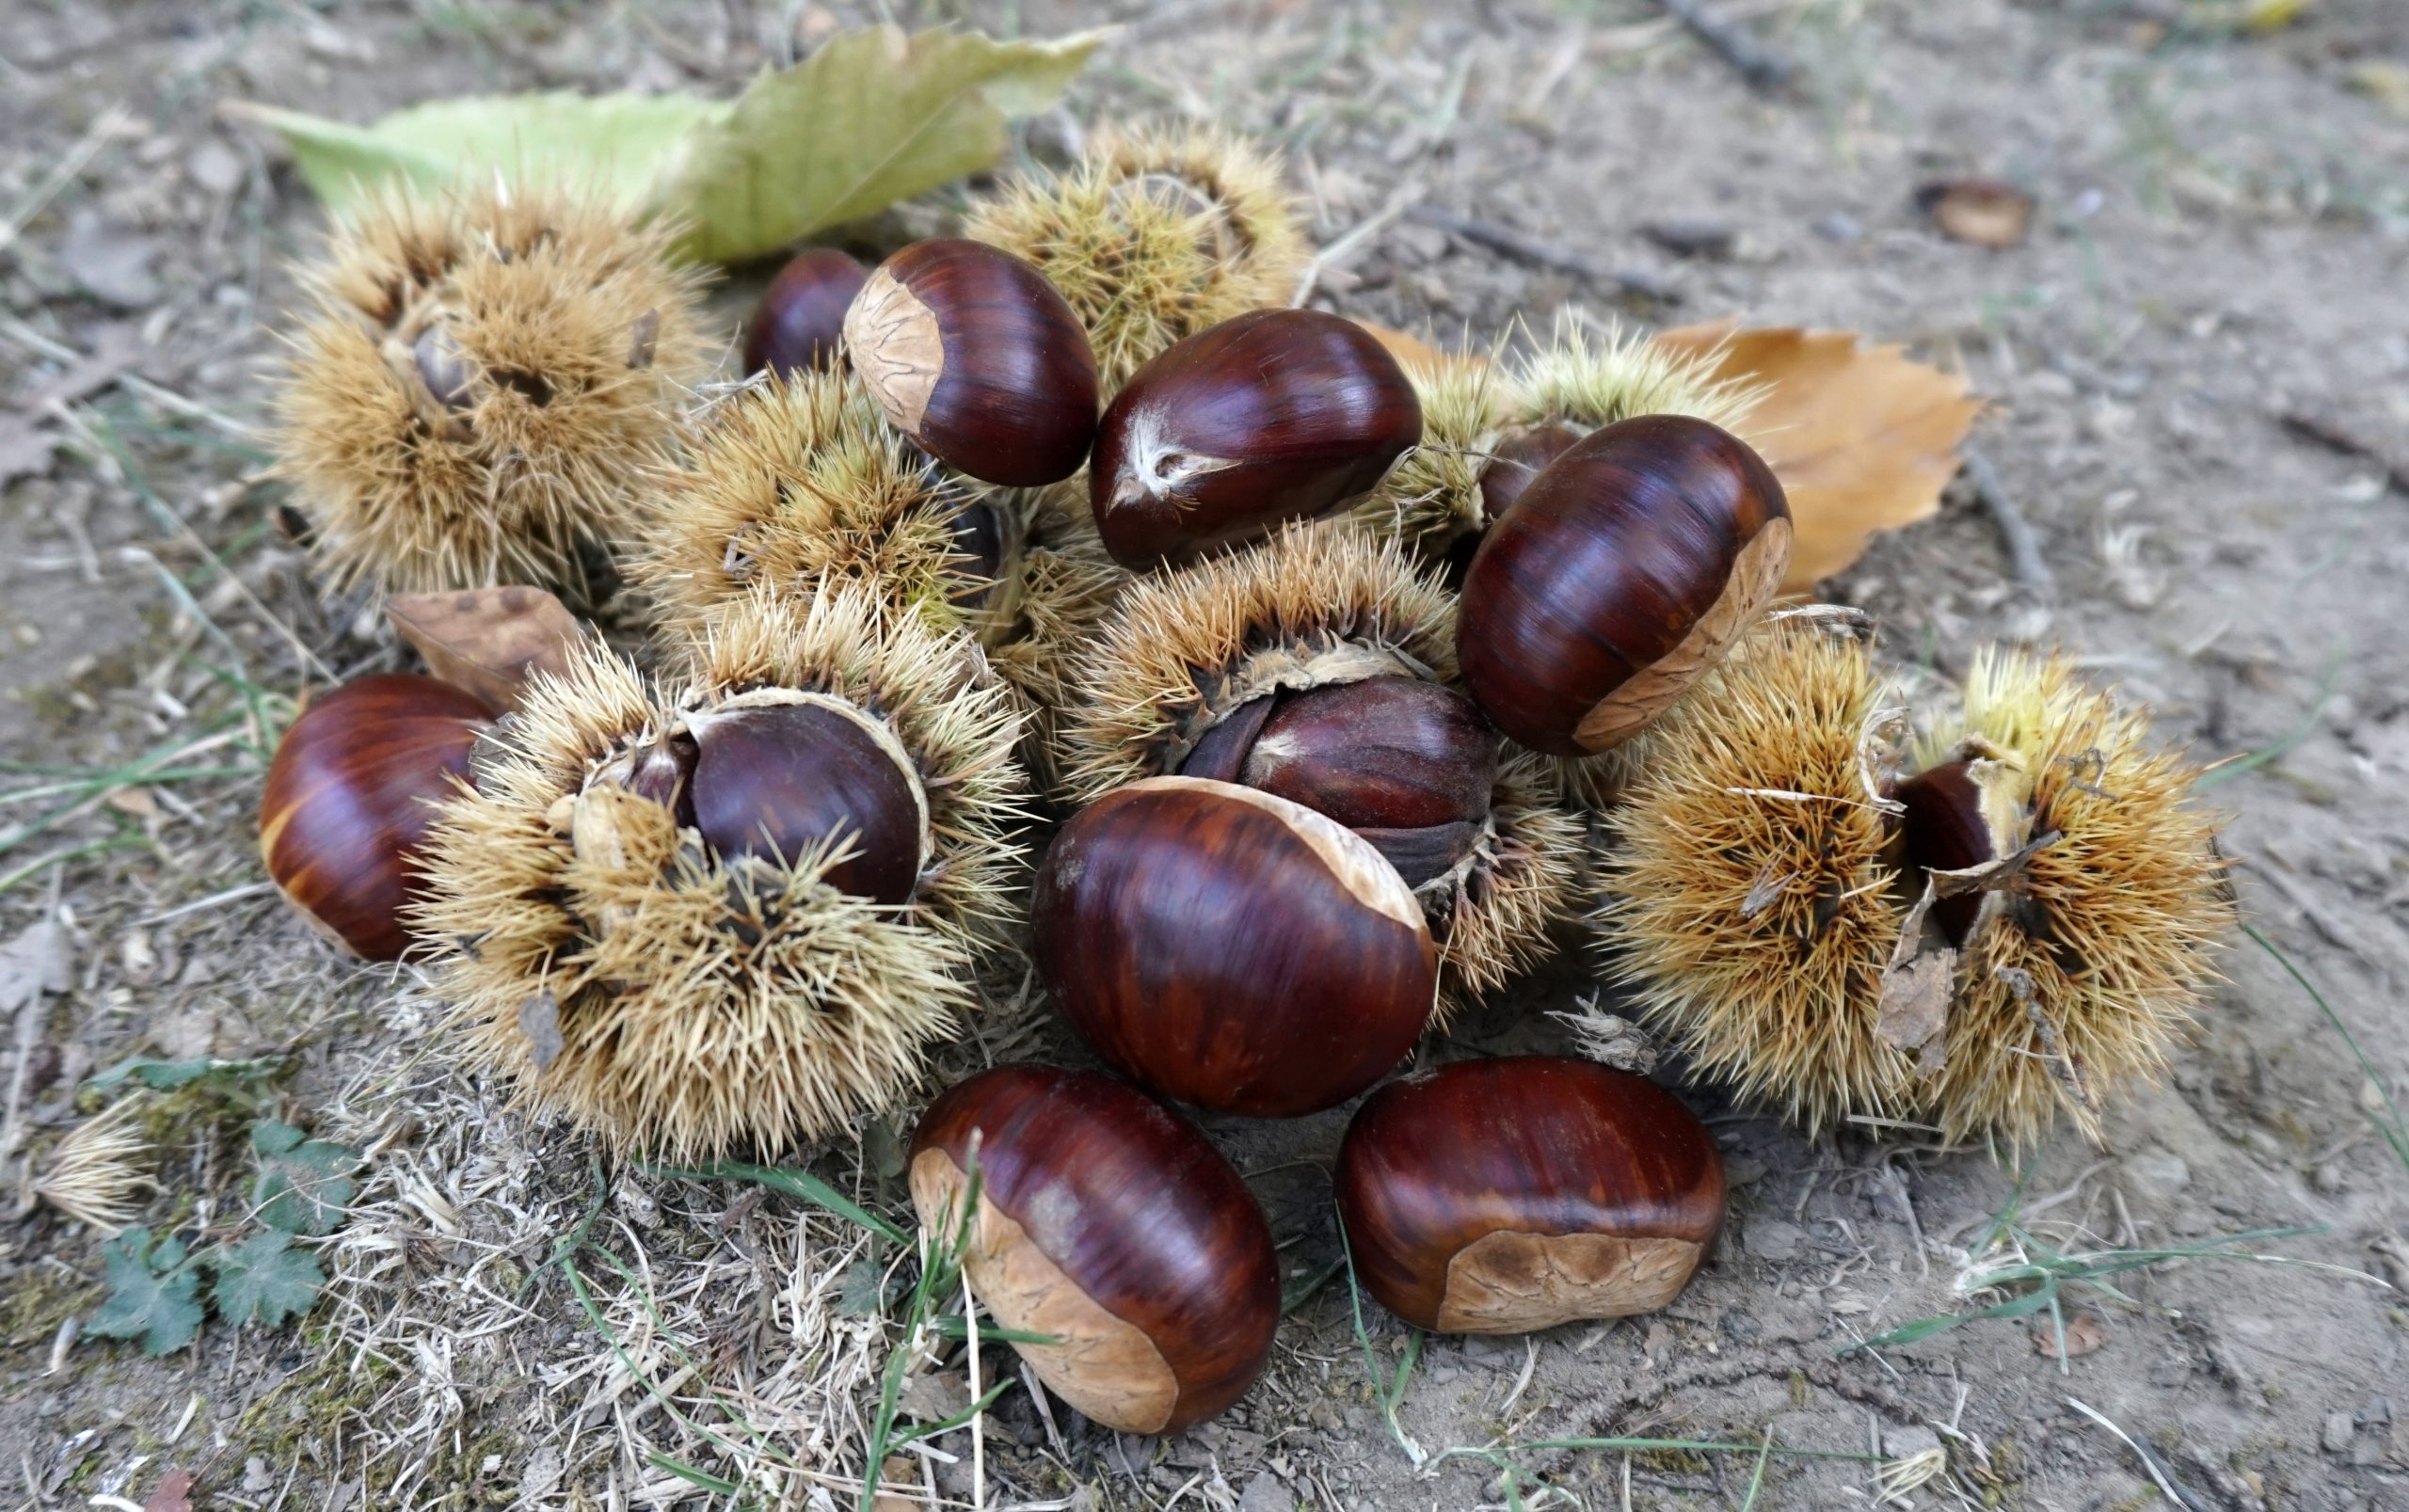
(980, 360)
(1626, 569)
(1276, 415)
(1231, 948)
(1107, 1222)
(351, 794)
(1314, 668)
(1503, 1196)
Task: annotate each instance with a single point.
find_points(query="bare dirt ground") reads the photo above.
(2217, 269)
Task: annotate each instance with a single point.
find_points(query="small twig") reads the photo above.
(1764, 69)
(29, 1024)
(1524, 247)
(2166, 1482)
(2015, 531)
(2335, 436)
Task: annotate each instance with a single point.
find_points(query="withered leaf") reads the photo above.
(1915, 1005)
(1410, 349)
(2084, 1333)
(1978, 211)
(174, 1494)
(539, 1020)
(1862, 438)
(489, 640)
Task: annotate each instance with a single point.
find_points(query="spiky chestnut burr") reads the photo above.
(351, 794)
(1314, 667)
(974, 356)
(799, 326)
(797, 485)
(1627, 568)
(480, 383)
(2092, 967)
(1276, 415)
(1508, 1195)
(1230, 948)
(1153, 235)
(693, 967)
(1109, 1226)
(1491, 425)
(1752, 897)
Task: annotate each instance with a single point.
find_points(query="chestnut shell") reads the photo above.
(981, 361)
(1231, 948)
(778, 780)
(799, 326)
(1130, 1204)
(1623, 572)
(1501, 1196)
(351, 794)
(1273, 415)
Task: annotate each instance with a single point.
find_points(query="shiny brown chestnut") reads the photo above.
(1517, 458)
(1625, 570)
(1232, 948)
(1503, 1196)
(974, 356)
(1407, 765)
(799, 326)
(1108, 1223)
(1273, 415)
(351, 794)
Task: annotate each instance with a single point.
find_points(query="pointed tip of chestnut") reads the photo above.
(1232, 948)
(1108, 1223)
(799, 326)
(982, 362)
(1623, 572)
(350, 797)
(1273, 415)
(1508, 1195)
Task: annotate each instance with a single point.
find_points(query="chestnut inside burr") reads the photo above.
(780, 781)
(1406, 764)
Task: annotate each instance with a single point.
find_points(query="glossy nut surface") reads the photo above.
(1108, 1222)
(973, 355)
(1273, 415)
(1624, 571)
(1231, 948)
(780, 781)
(1407, 765)
(1503, 1196)
(1945, 831)
(351, 794)
(1516, 460)
(799, 326)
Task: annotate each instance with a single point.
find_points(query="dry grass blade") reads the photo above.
(92, 1175)
(1862, 438)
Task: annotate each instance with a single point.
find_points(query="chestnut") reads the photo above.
(1516, 459)
(1108, 1223)
(980, 360)
(1232, 948)
(1945, 830)
(799, 323)
(1407, 764)
(1626, 569)
(1276, 415)
(1503, 1196)
(779, 780)
(351, 794)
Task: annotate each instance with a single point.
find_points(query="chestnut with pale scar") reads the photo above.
(1107, 1225)
(1503, 1196)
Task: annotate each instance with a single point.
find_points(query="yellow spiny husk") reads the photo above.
(1154, 235)
(703, 1007)
(2096, 973)
(575, 339)
(1431, 498)
(1750, 898)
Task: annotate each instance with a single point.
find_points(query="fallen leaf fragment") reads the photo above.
(1980, 211)
(1864, 437)
(1410, 349)
(174, 1494)
(2084, 1333)
(489, 640)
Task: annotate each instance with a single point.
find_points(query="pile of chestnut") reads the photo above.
(1222, 944)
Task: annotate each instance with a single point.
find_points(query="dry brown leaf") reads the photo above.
(489, 640)
(2084, 1333)
(1407, 348)
(174, 1494)
(1979, 212)
(1862, 438)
